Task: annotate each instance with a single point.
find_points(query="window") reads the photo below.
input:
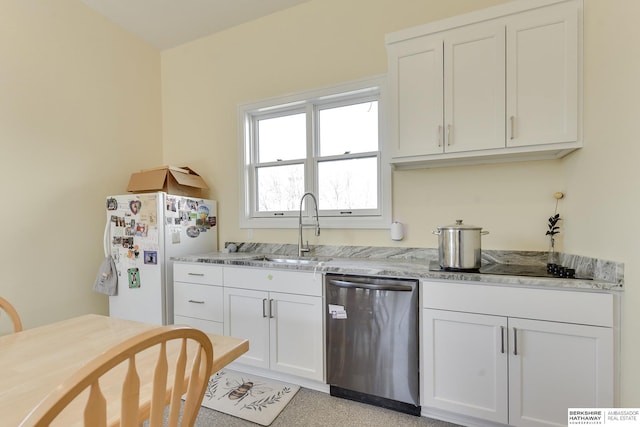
(327, 142)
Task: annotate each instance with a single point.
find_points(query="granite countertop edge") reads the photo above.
(415, 269)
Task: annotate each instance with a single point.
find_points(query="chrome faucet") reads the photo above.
(301, 248)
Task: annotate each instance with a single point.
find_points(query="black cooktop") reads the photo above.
(505, 270)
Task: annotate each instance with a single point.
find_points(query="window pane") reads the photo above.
(348, 184)
(282, 138)
(353, 128)
(280, 187)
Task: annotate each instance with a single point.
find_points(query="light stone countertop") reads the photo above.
(392, 267)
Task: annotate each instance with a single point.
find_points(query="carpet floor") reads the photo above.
(310, 408)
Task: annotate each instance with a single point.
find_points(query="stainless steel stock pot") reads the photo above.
(459, 246)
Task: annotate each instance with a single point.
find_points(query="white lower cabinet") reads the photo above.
(558, 366)
(247, 317)
(512, 370)
(284, 329)
(279, 312)
(197, 296)
(465, 368)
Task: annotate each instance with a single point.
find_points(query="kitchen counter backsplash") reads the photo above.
(599, 274)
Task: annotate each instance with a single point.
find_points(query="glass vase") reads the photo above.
(553, 257)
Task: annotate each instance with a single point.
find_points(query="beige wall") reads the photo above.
(603, 178)
(323, 42)
(79, 110)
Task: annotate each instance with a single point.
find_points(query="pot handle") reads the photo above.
(484, 232)
(436, 232)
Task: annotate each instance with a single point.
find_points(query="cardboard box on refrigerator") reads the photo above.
(179, 181)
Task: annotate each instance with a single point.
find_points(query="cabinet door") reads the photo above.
(556, 366)
(416, 91)
(246, 316)
(465, 364)
(474, 82)
(296, 335)
(542, 76)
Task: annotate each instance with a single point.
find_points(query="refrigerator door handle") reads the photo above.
(105, 239)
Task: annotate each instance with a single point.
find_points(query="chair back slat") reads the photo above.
(157, 393)
(178, 385)
(130, 396)
(158, 401)
(193, 388)
(95, 412)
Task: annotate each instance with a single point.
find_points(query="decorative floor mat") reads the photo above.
(248, 396)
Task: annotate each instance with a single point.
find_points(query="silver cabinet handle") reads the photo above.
(195, 274)
(196, 301)
(449, 134)
(439, 135)
(502, 339)
(515, 342)
(264, 310)
(271, 310)
(512, 119)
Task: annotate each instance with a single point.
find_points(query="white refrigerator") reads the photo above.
(142, 233)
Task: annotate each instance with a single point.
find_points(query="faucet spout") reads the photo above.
(302, 249)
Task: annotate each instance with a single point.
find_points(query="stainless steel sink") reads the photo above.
(292, 260)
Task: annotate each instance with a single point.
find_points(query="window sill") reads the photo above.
(378, 222)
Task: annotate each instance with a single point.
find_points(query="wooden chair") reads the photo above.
(13, 314)
(190, 378)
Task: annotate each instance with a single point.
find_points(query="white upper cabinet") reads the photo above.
(449, 91)
(417, 95)
(500, 84)
(474, 87)
(542, 77)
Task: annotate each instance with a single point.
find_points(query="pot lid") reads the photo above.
(459, 226)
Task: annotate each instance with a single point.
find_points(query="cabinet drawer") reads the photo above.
(197, 273)
(198, 301)
(588, 308)
(204, 325)
(291, 282)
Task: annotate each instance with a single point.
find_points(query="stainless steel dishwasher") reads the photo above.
(372, 341)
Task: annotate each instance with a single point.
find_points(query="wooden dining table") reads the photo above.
(33, 362)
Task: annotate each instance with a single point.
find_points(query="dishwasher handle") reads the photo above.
(396, 287)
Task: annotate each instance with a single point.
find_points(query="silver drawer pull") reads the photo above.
(513, 127)
(196, 301)
(195, 274)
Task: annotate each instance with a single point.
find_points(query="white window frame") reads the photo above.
(308, 101)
